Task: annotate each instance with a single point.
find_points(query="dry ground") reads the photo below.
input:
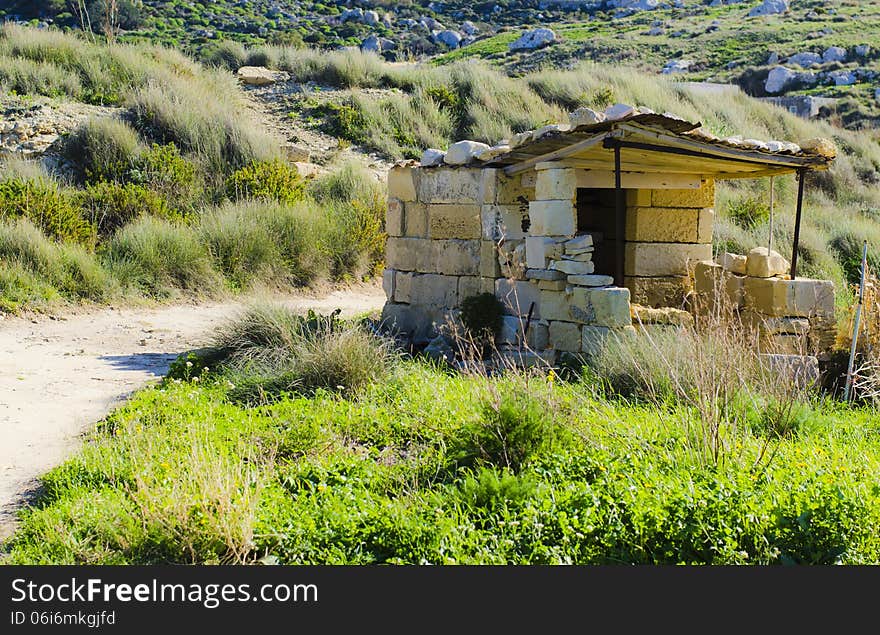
(60, 375)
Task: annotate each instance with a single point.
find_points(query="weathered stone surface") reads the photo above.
(714, 285)
(761, 263)
(439, 349)
(517, 296)
(555, 184)
(544, 274)
(702, 197)
(432, 157)
(784, 344)
(468, 286)
(401, 183)
(418, 322)
(552, 285)
(775, 325)
(822, 147)
(573, 267)
(509, 222)
(602, 307)
(434, 290)
(498, 188)
(660, 291)
(663, 224)
(585, 117)
(664, 259)
(511, 333)
(540, 250)
(527, 358)
(594, 280)
(454, 221)
(415, 220)
(706, 225)
(399, 317)
(455, 257)
(583, 256)
(580, 243)
(388, 283)
(257, 75)
(552, 218)
(512, 259)
(394, 224)
(403, 286)
(638, 198)
(463, 152)
(734, 263)
(554, 305)
(450, 185)
(776, 297)
(489, 266)
(487, 285)
(407, 254)
(565, 336)
(666, 316)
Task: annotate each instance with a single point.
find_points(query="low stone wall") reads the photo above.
(790, 316)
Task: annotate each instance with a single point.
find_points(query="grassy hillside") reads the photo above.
(184, 192)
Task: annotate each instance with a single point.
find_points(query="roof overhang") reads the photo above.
(654, 144)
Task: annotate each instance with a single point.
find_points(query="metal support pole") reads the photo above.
(856, 323)
(772, 205)
(797, 222)
(620, 231)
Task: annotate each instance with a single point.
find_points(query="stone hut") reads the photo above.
(578, 227)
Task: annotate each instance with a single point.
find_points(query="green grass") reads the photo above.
(423, 467)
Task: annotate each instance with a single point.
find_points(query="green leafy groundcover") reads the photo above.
(433, 468)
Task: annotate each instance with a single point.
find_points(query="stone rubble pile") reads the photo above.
(794, 317)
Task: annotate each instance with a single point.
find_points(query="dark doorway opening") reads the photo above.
(597, 215)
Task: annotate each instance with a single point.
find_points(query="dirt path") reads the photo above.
(59, 376)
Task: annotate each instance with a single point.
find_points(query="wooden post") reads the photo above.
(801, 173)
(620, 231)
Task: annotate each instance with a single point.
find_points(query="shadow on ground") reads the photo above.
(154, 363)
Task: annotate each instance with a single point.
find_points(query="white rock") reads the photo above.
(432, 157)
(834, 54)
(862, 50)
(256, 75)
(463, 152)
(533, 39)
(764, 263)
(677, 66)
(805, 59)
(584, 241)
(843, 78)
(585, 117)
(770, 7)
(469, 27)
(754, 144)
(553, 127)
(587, 280)
(778, 78)
(492, 153)
(452, 39)
(573, 267)
(520, 138)
(619, 111)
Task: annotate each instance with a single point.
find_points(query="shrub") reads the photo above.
(270, 350)
(349, 182)
(102, 149)
(355, 241)
(748, 212)
(227, 54)
(166, 172)
(47, 206)
(273, 180)
(19, 287)
(849, 249)
(513, 427)
(255, 240)
(156, 256)
(110, 206)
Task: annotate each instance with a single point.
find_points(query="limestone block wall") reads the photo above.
(667, 232)
(456, 232)
(790, 316)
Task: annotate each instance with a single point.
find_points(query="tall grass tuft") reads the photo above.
(158, 257)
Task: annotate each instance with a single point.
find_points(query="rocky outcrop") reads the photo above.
(450, 38)
(378, 44)
(677, 66)
(257, 76)
(534, 39)
(770, 7)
